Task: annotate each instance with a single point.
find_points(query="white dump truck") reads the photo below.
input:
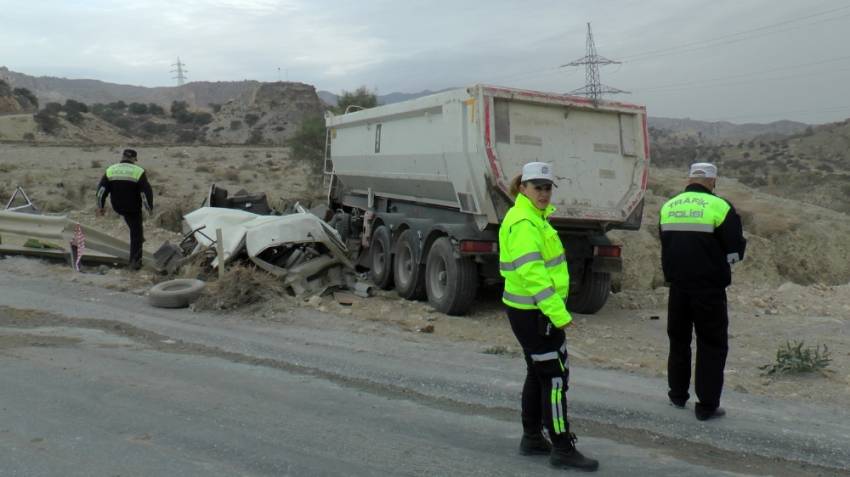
(422, 185)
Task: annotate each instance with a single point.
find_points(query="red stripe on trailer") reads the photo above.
(488, 143)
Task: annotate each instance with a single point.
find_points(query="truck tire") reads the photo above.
(381, 258)
(408, 274)
(450, 282)
(177, 293)
(592, 295)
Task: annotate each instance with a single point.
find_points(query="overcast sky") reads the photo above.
(737, 60)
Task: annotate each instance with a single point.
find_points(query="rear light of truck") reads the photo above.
(607, 251)
(476, 246)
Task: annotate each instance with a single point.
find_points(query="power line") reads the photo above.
(694, 45)
(685, 47)
(708, 82)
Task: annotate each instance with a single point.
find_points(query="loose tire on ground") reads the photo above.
(450, 283)
(408, 273)
(592, 295)
(177, 293)
(381, 258)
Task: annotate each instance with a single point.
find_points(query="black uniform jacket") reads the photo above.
(125, 195)
(698, 260)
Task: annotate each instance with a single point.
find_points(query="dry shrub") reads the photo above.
(171, 218)
(204, 168)
(231, 175)
(242, 285)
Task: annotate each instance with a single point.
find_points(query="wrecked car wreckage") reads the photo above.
(300, 248)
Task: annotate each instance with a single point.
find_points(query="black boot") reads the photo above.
(534, 444)
(570, 458)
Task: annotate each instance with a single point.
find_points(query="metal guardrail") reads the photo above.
(61, 229)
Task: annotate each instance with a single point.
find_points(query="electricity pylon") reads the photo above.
(593, 88)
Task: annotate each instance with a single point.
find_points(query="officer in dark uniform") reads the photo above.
(128, 185)
(701, 237)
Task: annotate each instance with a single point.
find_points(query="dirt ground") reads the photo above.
(793, 285)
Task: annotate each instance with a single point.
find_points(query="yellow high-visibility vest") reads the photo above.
(532, 262)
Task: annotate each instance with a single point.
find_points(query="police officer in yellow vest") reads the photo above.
(128, 185)
(537, 282)
(701, 237)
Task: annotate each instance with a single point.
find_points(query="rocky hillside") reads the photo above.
(199, 94)
(16, 100)
(724, 131)
(812, 166)
(269, 114)
(266, 114)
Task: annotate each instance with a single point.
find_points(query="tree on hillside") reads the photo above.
(52, 108)
(75, 106)
(47, 121)
(156, 109)
(137, 108)
(178, 108)
(74, 111)
(26, 94)
(5, 89)
(308, 143)
(361, 98)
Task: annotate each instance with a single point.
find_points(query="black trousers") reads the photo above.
(137, 237)
(544, 393)
(703, 311)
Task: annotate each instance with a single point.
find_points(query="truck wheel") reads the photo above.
(592, 295)
(381, 262)
(408, 274)
(450, 282)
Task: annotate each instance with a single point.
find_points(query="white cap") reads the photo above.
(703, 169)
(537, 170)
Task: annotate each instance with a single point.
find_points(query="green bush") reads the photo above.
(793, 358)
(52, 108)
(74, 117)
(47, 121)
(138, 108)
(256, 137)
(75, 106)
(201, 118)
(251, 119)
(27, 95)
(361, 97)
(156, 109)
(309, 140)
(178, 108)
(154, 129)
(187, 136)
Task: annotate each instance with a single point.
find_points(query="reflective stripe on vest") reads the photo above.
(531, 257)
(529, 300)
(708, 228)
(527, 258)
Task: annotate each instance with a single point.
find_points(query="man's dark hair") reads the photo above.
(130, 153)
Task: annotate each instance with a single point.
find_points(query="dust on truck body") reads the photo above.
(422, 186)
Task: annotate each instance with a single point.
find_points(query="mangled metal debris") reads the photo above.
(300, 248)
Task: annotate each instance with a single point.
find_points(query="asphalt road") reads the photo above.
(94, 382)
